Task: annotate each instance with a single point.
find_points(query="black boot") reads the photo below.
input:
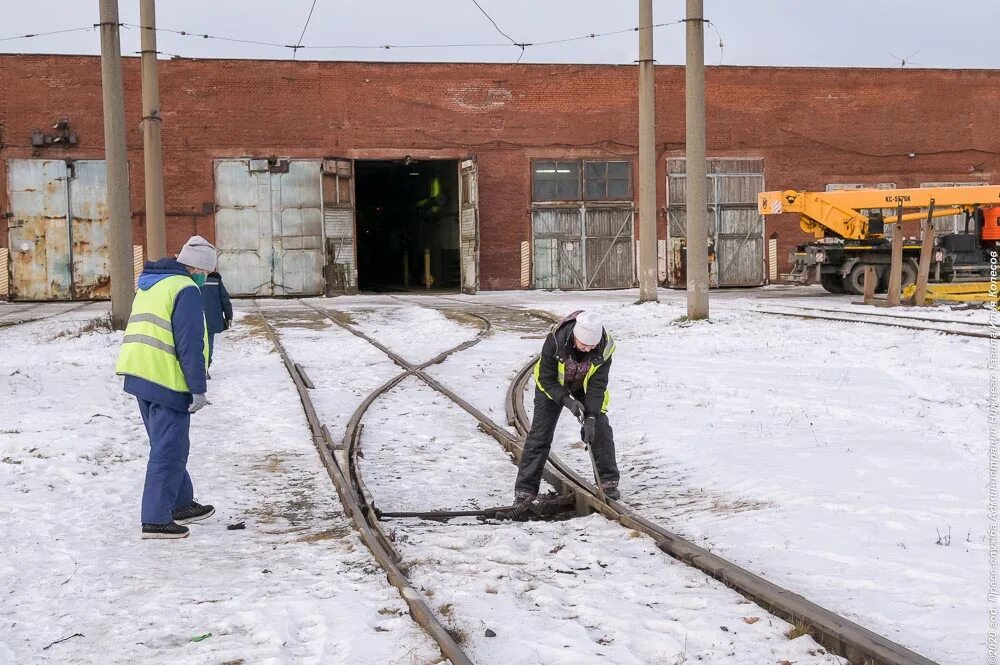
(192, 513)
(522, 505)
(610, 488)
(164, 531)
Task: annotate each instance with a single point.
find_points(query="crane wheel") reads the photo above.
(854, 283)
(908, 276)
(832, 282)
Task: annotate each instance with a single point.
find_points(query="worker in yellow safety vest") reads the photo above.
(436, 198)
(164, 359)
(572, 372)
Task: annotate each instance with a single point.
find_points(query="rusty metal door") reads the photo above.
(269, 227)
(89, 226)
(38, 232)
(59, 231)
(469, 224)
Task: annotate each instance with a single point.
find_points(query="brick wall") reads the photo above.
(811, 126)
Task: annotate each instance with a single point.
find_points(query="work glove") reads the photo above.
(198, 402)
(589, 430)
(575, 407)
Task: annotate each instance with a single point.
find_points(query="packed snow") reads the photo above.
(846, 462)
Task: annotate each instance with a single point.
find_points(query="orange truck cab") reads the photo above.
(991, 223)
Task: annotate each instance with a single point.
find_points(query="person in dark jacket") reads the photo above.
(572, 373)
(218, 309)
(164, 359)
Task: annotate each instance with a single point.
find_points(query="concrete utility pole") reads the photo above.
(697, 200)
(122, 275)
(647, 156)
(156, 234)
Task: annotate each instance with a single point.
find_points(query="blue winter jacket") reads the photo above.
(189, 339)
(218, 307)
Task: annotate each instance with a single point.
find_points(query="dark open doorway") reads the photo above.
(406, 209)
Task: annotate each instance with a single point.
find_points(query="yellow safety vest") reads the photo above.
(609, 349)
(148, 351)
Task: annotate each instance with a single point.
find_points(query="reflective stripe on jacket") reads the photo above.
(148, 350)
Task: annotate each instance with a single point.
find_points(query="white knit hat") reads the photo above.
(198, 253)
(588, 329)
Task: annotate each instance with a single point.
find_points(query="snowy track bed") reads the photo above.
(453, 484)
(908, 321)
(576, 591)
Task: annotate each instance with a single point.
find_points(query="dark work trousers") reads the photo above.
(211, 347)
(168, 485)
(539, 441)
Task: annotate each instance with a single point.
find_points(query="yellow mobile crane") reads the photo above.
(849, 231)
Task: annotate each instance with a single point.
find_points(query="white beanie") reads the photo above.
(588, 329)
(198, 253)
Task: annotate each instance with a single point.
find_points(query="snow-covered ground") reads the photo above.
(835, 459)
(13, 313)
(295, 586)
(565, 592)
(846, 462)
(582, 591)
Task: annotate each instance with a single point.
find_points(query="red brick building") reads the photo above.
(315, 176)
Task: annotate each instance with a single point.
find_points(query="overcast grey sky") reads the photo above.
(865, 33)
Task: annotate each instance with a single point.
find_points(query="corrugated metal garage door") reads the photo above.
(736, 231)
(269, 227)
(585, 247)
(58, 234)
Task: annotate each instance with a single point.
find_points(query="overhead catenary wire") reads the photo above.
(187, 33)
(298, 44)
(30, 35)
(385, 46)
(490, 18)
(722, 47)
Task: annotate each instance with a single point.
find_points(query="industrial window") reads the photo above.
(607, 181)
(597, 181)
(556, 181)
